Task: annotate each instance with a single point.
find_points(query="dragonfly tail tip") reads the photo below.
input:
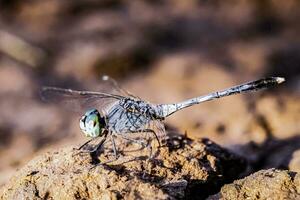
(105, 77)
(279, 79)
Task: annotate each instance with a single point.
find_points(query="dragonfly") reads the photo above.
(122, 114)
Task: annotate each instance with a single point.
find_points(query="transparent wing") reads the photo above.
(110, 85)
(79, 101)
(159, 128)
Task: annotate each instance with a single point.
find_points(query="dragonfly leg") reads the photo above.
(148, 144)
(86, 143)
(142, 143)
(98, 146)
(114, 146)
(153, 132)
(133, 140)
(80, 149)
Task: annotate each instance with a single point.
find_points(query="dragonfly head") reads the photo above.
(92, 123)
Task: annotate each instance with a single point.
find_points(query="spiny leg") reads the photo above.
(153, 132)
(80, 149)
(133, 140)
(142, 143)
(149, 143)
(114, 146)
(86, 143)
(94, 152)
(114, 149)
(149, 146)
(99, 145)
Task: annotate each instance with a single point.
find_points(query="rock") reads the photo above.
(283, 110)
(264, 184)
(294, 164)
(276, 133)
(186, 169)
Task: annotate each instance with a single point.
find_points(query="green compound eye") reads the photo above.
(92, 124)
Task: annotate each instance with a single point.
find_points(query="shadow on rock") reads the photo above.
(273, 153)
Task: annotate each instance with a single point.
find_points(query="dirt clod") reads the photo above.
(199, 169)
(264, 184)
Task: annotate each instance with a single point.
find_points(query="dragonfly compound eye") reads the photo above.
(91, 123)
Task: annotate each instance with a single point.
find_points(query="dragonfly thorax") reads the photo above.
(130, 115)
(138, 106)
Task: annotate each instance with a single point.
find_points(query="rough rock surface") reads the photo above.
(264, 184)
(183, 169)
(294, 163)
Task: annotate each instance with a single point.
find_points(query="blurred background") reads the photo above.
(162, 51)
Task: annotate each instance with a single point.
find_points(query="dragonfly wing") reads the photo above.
(159, 129)
(110, 85)
(79, 101)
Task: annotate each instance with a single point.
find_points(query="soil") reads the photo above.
(185, 169)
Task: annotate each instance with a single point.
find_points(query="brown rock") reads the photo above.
(189, 169)
(264, 184)
(294, 164)
(278, 112)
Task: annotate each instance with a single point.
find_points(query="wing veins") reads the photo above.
(82, 94)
